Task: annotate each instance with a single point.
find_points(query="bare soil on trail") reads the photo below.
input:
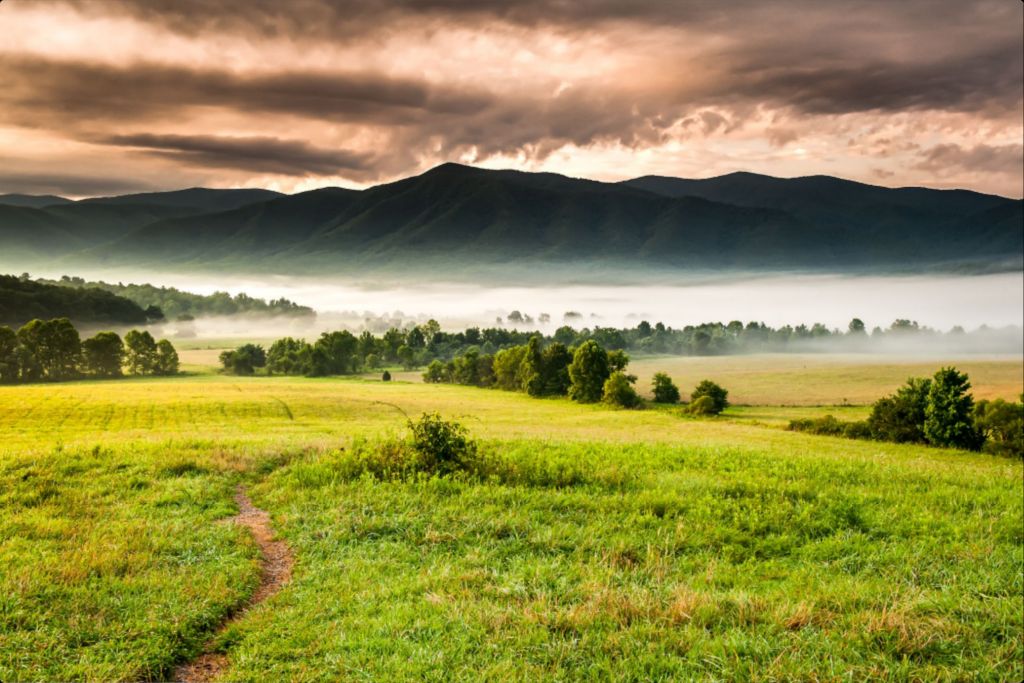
(276, 570)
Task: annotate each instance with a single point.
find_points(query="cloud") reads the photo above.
(367, 90)
(255, 154)
(1003, 159)
(69, 184)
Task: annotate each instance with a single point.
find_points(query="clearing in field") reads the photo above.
(604, 544)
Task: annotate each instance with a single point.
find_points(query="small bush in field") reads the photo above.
(386, 377)
(442, 446)
(708, 389)
(705, 405)
(619, 391)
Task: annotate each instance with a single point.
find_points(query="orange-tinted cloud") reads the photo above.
(313, 92)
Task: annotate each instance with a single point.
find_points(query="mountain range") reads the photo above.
(458, 217)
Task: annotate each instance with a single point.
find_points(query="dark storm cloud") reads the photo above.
(69, 184)
(256, 154)
(39, 88)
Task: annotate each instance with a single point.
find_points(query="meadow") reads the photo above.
(613, 545)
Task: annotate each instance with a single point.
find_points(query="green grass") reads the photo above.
(624, 545)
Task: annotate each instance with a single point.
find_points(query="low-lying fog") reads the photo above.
(940, 302)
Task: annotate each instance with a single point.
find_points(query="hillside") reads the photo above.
(23, 300)
(458, 217)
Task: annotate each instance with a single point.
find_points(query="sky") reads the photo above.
(103, 97)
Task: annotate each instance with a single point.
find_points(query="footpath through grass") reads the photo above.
(617, 545)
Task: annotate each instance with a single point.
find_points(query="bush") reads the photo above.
(619, 391)
(826, 426)
(1002, 424)
(705, 405)
(710, 390)
(442, 446)
(386, 377)
(665, 390)
(900, 418)
(857, 430)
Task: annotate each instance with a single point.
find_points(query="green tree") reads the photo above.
(335, 353)
(55, 347)
(719, 396)
(103, 354)
(166, 362)
(555, 363)
(407, 357)
(665, 390)
(436, 373)
(507, 364)
(948, 416)
(244, 360)
(531, 369)
(140, 352)
(618, 390)
(10, 367)
(588, 372)
(289, 356)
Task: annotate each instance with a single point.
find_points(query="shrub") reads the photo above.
(857, 430)
(665, 390)
(827, 426)
(900, 418)
(705, 405)
(1002, 424)
(386, 377)
(718, 396)
(619, 391)
(442, 446)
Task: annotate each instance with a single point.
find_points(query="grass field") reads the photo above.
(619, 545)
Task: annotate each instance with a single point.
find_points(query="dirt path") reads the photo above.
(276, 570)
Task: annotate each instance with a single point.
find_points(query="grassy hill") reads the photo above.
(460, 218)
(609, 545)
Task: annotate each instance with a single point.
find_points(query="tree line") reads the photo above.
(342, 352)
(22, 299)
(937, 411)
(174, 303)
(52, 350)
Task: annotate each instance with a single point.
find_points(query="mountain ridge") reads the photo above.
(456, 216)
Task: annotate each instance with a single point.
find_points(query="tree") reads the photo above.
(166, 359)
(900, 417)
(705, 405)
(103, 354)
(531, 369)
(618, 390)
(588, 372)
(948, 415)
(718, 396)
(856, 327)
(407, 357)
(334, 353)
(555, 363)
(9, 366)
(140, 352)
(436, 373)
(244, 360)
(665, 390)
(54, 347)
(289, 356)
(507, 364)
